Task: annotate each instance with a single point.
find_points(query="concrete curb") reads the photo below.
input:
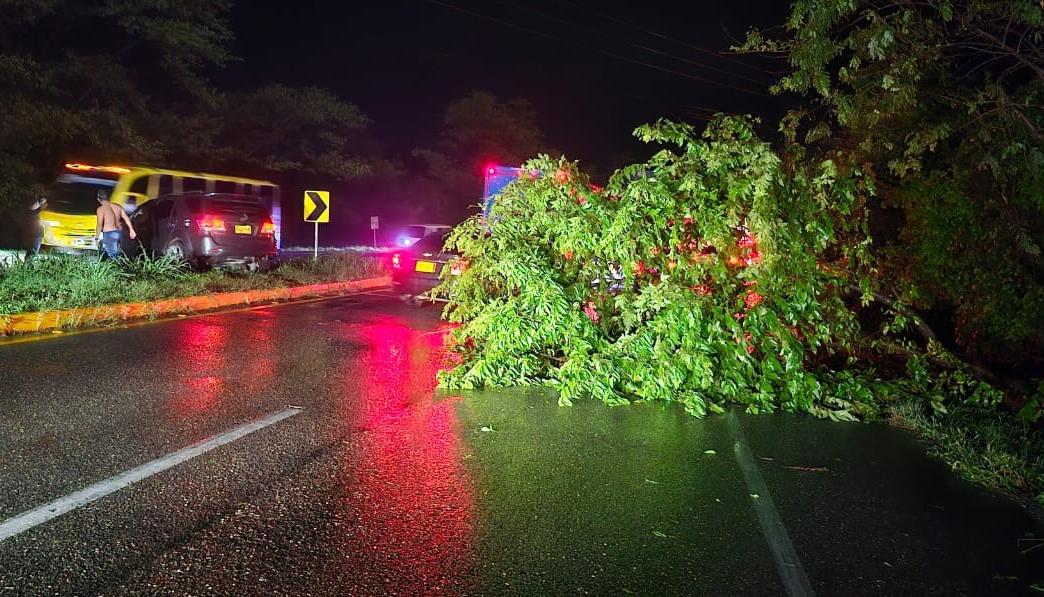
(44, 321)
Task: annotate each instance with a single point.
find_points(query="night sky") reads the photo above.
(402, 61)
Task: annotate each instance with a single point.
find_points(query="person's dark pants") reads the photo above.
(34, 248)
(110, 243)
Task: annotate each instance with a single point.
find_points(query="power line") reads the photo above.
(702, 112)
(472, 13)
(679, 42)
(636, 45)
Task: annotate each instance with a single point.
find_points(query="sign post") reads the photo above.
(316, 210)
(374, 223)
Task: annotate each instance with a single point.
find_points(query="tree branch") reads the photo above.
(922, 328)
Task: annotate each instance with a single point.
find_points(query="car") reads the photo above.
(417, 269)
(414, 232)
(205, 230)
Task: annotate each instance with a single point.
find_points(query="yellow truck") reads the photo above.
(69, 223)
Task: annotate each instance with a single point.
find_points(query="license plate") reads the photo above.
(243, 229)
(83, 242)
(426, 266)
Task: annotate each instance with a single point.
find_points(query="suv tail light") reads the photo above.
(267, 229)
(210, 224)
(396, 261)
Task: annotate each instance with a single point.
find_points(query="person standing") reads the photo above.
(37, 227)
(109, 216)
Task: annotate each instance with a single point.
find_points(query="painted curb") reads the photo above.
(44, 321)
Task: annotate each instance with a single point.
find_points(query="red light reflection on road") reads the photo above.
(203, 345)
(198, 394)
(259, 371)
(410, 491)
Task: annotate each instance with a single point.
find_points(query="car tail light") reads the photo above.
(268, 228)
(210, 224)
(396, 261)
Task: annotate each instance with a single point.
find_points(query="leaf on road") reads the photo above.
(811, 469)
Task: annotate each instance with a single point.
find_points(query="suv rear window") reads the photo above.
(431, 243)
(225, 205)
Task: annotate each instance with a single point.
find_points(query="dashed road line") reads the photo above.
(37, 516)
(788, 564)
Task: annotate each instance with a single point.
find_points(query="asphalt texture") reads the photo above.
(383, 485)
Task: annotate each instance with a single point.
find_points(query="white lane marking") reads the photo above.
(788, 564)
(31, 518)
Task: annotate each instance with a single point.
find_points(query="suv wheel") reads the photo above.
(175, 250)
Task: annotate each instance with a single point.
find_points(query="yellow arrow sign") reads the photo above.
(317, 206)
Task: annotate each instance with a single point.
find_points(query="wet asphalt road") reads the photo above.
(381, 485)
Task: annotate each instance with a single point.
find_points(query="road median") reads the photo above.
(45, 321)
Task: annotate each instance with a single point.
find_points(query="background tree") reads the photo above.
(90, 76)
(125, 80)
(942, 101)
(479, 129)
(281, 128)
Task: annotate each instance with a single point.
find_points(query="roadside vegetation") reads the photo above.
(64, 282)
(55, 108)
(881, 262)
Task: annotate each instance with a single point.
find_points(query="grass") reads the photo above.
(989, 447)
(64, 282)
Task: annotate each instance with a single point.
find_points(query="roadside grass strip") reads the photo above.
(50, 283)
(43, 321)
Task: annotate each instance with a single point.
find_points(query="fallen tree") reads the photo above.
(732, 265)
(723, 271)
(719, 273)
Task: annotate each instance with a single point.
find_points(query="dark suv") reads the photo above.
(416, 270)
(205, 229)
